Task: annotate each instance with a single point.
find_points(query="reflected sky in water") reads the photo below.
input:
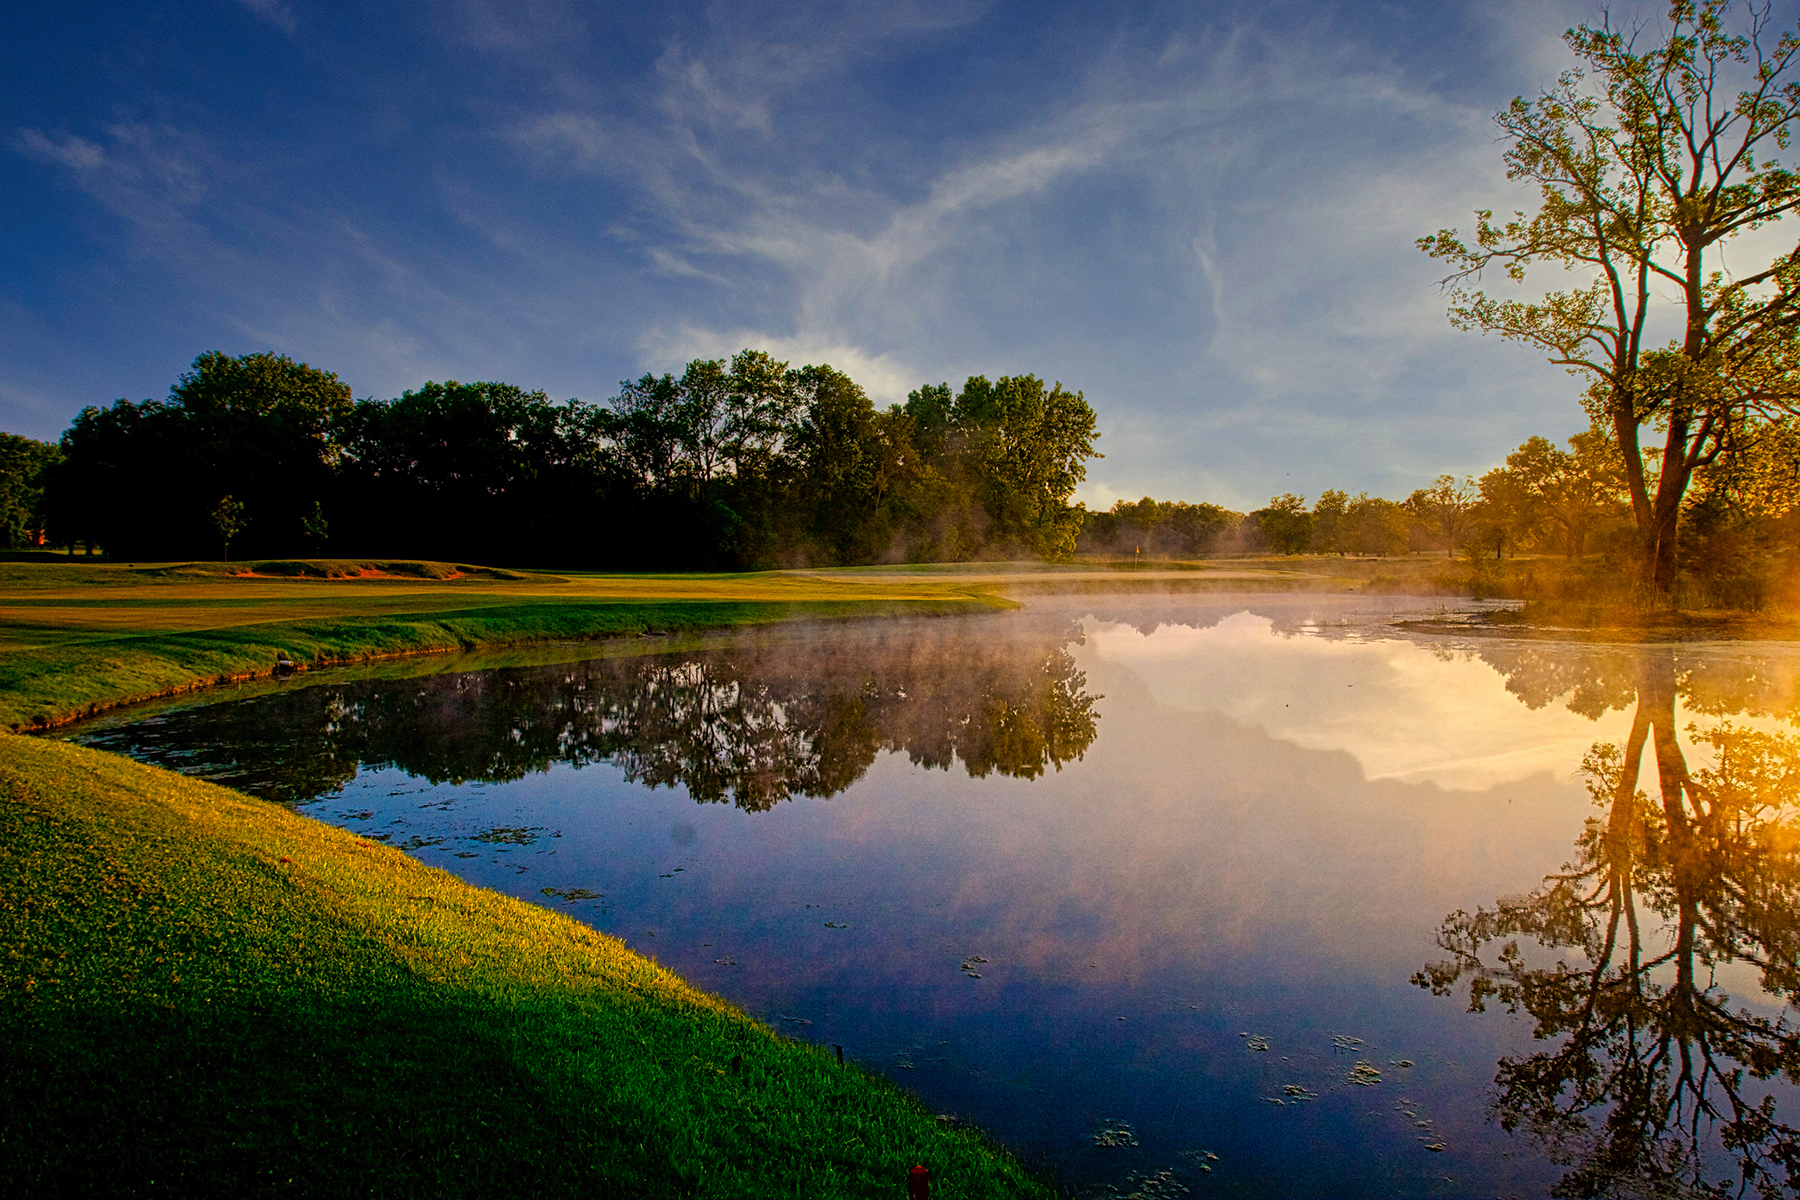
(1142, 887)
(1404, 710)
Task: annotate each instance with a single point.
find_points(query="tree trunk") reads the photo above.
(1658, 516)
(1661, 537)
(1660, 566)
(1625, 436)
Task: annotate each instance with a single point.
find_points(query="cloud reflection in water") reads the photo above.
(1203, 820)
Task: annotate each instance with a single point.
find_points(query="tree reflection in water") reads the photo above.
(751, 725)
(1656, 1081)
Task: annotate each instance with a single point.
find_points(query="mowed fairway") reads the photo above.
(77, 637)
(46, 604)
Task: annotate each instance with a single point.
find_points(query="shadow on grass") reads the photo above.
(390, 1096)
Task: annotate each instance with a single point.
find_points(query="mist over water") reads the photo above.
(1156, 891)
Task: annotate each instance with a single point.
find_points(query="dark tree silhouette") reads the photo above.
(1653, 1077)
(750, 726)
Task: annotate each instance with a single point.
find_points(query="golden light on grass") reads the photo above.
(203, 986)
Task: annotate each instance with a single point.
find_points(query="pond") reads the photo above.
(1252, 896)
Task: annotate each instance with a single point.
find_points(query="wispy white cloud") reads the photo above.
(77, 154)
(24, 398)
(517, 26)
(886, 380)
(752, 58)
(578, 141)
(151, 174)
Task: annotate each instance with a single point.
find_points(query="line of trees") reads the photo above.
(750, 462)
(1543, 499)
(1740, 521)
(740, 463)
(1438, 517)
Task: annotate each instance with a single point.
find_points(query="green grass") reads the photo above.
(75, 638)
(203, 993)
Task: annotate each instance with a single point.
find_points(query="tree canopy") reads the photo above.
(23, 463)
(145, 479)
(1650, 159)
(741, 463)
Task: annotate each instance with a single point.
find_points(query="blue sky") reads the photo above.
(1201, 215)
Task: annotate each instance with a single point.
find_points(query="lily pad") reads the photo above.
(1114, 1134)
(571, 895)
(517, 835)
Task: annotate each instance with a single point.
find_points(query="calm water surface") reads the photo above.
(1247, 897)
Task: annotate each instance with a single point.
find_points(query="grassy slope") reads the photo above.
(206, 993)
(202, 993)
(76, 638)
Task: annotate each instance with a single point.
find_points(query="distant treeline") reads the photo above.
(1739, 533)
(735, 464)
(1450, 515)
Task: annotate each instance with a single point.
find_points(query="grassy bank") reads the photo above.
(76, 638)
(203, 993)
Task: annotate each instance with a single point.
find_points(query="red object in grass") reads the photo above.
(918, 1183)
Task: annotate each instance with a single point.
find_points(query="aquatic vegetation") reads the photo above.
(572, 895)
(507, 836)
(1114, 1134)
(1160, 1185)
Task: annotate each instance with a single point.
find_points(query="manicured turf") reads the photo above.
(77, 637)
(206, 994)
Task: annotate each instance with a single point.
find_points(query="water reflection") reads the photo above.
(1713, 678)
(1654, 1078)
(1202, 931)
(751, 725)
